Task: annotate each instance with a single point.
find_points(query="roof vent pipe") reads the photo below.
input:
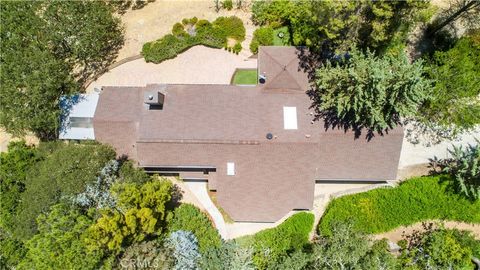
(262, 78)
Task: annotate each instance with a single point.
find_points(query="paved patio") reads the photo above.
(198, 65)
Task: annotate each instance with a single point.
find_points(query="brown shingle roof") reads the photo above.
(281, 66)
(210, 125)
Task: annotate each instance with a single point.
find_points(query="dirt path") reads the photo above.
(6, 138)
(396, 234)
(156, 20)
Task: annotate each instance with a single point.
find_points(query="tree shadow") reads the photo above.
(427, 43)
(66, 104)
(177, 196)
(93, 69)
(309, 61)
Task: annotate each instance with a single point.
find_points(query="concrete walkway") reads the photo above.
(413, 154)
(199, 190)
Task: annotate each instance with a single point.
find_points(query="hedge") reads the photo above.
(415, 200)
(262, 36)
(189, 218)
(289, 236)
(192, 32)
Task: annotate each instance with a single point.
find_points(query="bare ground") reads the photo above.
(157, 18)
(396, 234)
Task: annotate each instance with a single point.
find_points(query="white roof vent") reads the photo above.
(153, 98)
(290, 118)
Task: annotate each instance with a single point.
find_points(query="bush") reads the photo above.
(193, 20)
(464, 168)
(178, 29)
(227, 4)
(231, 27)
(237, 48)
(202, 24)
(271, 244)
(415, 200)
(165, 48)
(228, 256)
(439, 248)
(208, 34)
(152, 254)
(129, 174)
(347, 248)
(185, 250)
(267, 12)
(189, 218)
(263, 36)
(141, 212)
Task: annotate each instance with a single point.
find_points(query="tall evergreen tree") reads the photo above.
(365, 91)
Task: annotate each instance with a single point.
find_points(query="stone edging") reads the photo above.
(362, 189)
(114, 65)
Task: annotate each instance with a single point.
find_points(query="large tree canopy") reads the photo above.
(48, 49)
(65, 171)
(14, 165)
(456, 73)
(365, 91)
(59, 243)
(337, 25)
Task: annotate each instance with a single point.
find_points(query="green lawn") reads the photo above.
(415, 200)
(285, 41)
(245, 76)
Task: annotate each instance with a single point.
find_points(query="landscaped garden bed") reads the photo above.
(224, 32)
(289, 236)
(245, 77)
(415, 200)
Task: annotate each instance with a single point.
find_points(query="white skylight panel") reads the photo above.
(290, 118)
(230, 168)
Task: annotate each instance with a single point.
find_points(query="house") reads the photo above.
(258, 147)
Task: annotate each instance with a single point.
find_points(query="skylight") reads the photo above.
(290, 117)
(230, 168)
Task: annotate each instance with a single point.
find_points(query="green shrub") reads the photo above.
(415, 200)
(208, 34)
(271, 244)
(464, 167)
(189, 218)
(193, 20)
(231, 27)
(165, 48)
(237, 48)
(202, 24)
(267, 12)
(178, 29)
(263, 36)
(227, 4)
(439, 248)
